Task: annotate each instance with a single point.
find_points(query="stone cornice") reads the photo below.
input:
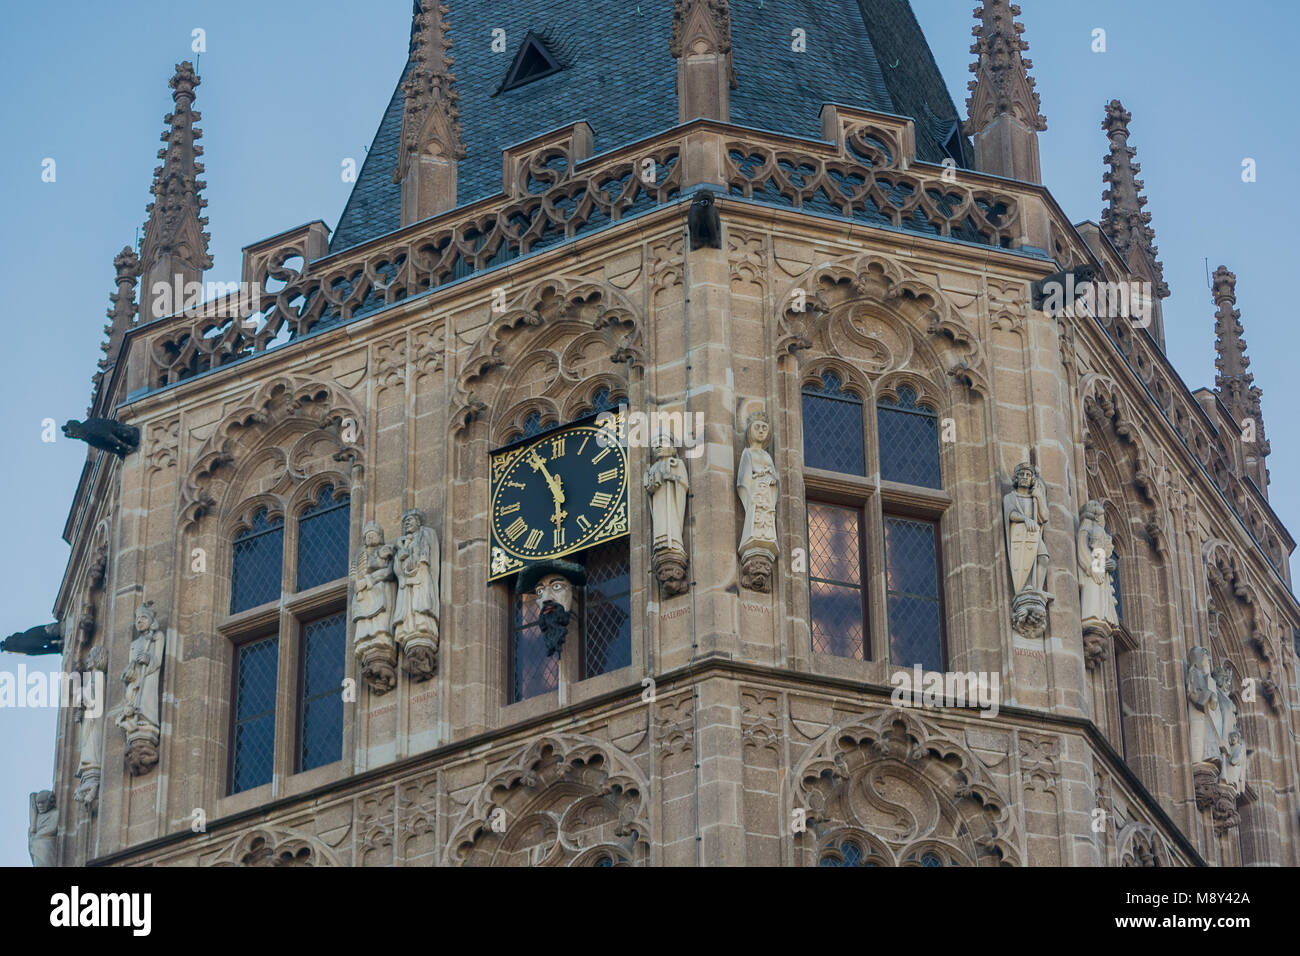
(678, 678)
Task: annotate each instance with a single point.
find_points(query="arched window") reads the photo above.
(909, 441)
(290, 653)
(832, 428)
(604, 626)
(256, 571)
(855, 525)
(323, 540)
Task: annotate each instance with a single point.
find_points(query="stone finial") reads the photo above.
(1123, 221)
(431, 134)
(1235, 385)
(121, 316)
(174, 236)
(1003, 109)
(701, 44)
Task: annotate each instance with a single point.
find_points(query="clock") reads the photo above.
(557, 494)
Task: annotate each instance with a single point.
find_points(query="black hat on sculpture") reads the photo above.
(530, 575)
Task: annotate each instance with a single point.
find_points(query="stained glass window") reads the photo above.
(253, 743)
(832, 428)
(909, 441)
(607, 610)
(532, 670)
(255, 572)
(323, 540)
(835, 580)
(912, 586)
(320, 693)
(848, 853)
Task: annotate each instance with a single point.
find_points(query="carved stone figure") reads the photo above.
(1095, 552)
(1218, 750)
(416, 564)
(756, 484)
(105, 434)
(553, 582)
(668, 484)
(42, 828)
(1206, 713)
(90, 761)
(704, 222)
(143, 700)
(1024, 511)
(372, 609)
(42, 639)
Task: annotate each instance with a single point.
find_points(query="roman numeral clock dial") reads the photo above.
(555, 495)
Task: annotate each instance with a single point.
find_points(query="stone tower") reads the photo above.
(653, 467)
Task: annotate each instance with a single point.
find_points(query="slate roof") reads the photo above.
(619, 77)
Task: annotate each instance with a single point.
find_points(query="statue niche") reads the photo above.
(668, 483)
(416, 565)
(372, 609)
(140, 709)
(1218, 750)
(1024, 511)
(1095, 553)
(756, 484)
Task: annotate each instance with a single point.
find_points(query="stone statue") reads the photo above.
(756, 484)
(372, 610)
(553, 582)
(141, 708)
(1234, 763)
(1206, 725)
(43, 828)
(1218, 750)
(1095, 552)
(90, 762)
(1024, 511)
(416, 564)
(105, 434)
(668, 483)
(42, 639)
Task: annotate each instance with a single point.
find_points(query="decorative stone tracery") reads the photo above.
(563, 800)
(901, 788)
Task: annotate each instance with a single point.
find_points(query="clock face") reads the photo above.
(556, 494)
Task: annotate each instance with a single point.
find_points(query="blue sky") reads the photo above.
(292, 88)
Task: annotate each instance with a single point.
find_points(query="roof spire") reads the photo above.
(1235, 385)
(174, 241)
(431, 135)
(1123, 220)
(121, 316)
(1003, 108)
(701, 44)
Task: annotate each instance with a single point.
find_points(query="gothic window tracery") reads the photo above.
(849, 531)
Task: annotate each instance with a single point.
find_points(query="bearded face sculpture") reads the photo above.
(555, 595)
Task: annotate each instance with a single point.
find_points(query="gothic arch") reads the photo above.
(900, 777)
(908, 315)
(562, 334)
(1142, 845)
(286, 422)
(562, 800)
(276, 846)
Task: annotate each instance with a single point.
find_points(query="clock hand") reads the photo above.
(555, 484)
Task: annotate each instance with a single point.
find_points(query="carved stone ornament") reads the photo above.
(139, 718)
(1218, 750)
(668, 484)
(554, 583)
(1095, 552)
(42, 828)
(90, 762)
(372, 610)
(416, 565)
(756, 484)
(1024, 511)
